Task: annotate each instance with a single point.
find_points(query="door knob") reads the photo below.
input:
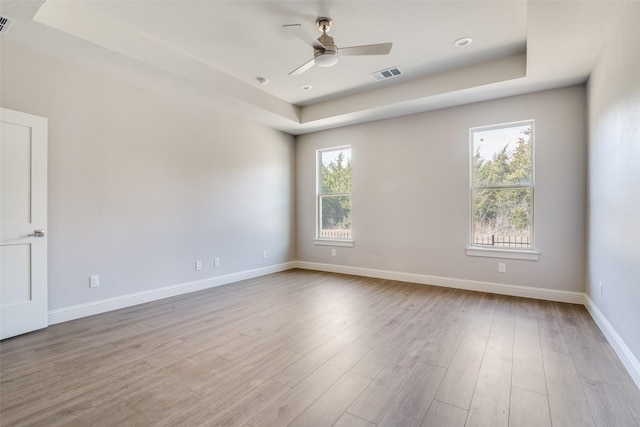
(37, 233)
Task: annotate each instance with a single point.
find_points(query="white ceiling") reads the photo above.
(216, 50)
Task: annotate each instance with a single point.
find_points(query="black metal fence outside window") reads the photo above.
(503, 241)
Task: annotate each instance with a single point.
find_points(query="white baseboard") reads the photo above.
(624, 353)
(109, 304)
(472, 285)
(102, 306)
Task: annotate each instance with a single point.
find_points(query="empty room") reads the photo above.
(320, 213)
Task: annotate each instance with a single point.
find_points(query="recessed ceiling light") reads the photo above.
(306, 87)
(262, 81)
(462, 42)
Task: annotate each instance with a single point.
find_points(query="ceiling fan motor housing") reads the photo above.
(329, 55)
(326, 58)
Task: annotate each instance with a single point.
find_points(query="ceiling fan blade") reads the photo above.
(369, 49)
(304, 67)
(299, 31)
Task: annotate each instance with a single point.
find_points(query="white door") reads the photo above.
(23, 218)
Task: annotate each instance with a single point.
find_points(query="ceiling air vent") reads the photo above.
(386, 74)
(5, 23)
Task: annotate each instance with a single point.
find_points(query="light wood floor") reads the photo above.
(314, 349)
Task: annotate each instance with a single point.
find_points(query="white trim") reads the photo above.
(472, 285)
(328, 242)
(102, 306)
(622, 350)
(503, 253)
(532, 184)
(319, 194)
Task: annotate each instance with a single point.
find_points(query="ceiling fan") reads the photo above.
(325, 52)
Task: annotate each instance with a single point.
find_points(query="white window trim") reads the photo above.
(525, 254)
(331, 242)
(321, 241)
(503, 253)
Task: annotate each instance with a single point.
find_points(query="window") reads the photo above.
(502, 183)
(334, 194)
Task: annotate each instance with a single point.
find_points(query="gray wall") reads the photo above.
(614, 180)
(411, 192)
(142, 184)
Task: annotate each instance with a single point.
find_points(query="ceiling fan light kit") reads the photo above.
(325, 51)
(326, 59)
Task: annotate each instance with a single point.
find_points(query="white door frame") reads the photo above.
(23, 284)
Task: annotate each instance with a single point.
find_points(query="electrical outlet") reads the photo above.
(502, 267)
(198, 265)
(600, 285)
(333, 252)
(264, 253)
(216, 262)
(94, 281)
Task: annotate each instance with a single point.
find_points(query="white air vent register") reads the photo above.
(5, 23)
(386, 74)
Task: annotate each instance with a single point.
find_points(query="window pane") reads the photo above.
(335, 212)
(502, 217)
(336, 171)
(502, 156)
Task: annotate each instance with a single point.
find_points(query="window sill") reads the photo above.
(329, 242)
(503, 253)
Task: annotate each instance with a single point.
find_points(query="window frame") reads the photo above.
(325, 241)
(472, 249)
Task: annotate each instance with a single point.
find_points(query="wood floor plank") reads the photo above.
(332, 404)
(587, 360)
(445, 341)
(374, 401)
(54, 405)
(500, 342)
(315, 339)
(528, 370)
(606, 404)
(551, 337)
(441, 414)
(528, 409)
(577, 326)
(491, 397)
(240, 409)
(480, 327)
(290, 405)
(350, 420)
(249, 372)
(384, 353)
(630, 391)
(412, 403)
(567, 403)
(482, 319)
(189, 373)
(303, 367)
(460, 380)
